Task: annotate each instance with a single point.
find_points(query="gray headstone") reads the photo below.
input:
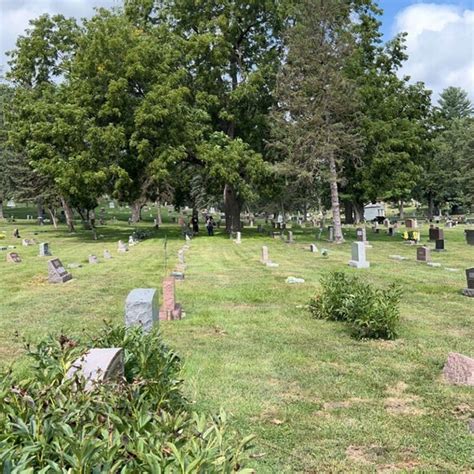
(331, 233)
(358, 256)
(122, 247)
(313, 248)
(93, 259)
(141, 308)
(265, 258)
(361, 234)
(289, 238)
(98, 366)
(56, 272)
(469, 236)
(44, 250)
(107, 254)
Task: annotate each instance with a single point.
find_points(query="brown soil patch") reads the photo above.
(38, 280)
(463, 411)
(399, 403)
(365, 454)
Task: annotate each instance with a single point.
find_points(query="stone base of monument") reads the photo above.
(356, 264)
(178, 275)
(272, 264)
(433, 264)
(468, 292)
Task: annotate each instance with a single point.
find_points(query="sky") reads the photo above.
(440, 34)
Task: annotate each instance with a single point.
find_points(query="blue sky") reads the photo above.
(440, 34)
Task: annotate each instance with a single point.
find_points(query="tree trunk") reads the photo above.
(159, 219)
(348, 212)
(39, 207)
(232, 209)
(137, 210)
(69, 215)
(430, 206)
(1, 209)
(336, 211)
(54, 219)
(358, 212)
(401, 210)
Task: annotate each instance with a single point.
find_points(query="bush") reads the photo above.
(370, 312)
(139, 424)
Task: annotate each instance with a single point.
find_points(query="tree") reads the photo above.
(454, 103)
(235, 49)
(315, 119)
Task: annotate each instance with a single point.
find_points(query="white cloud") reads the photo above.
(15, 15)
(440, 45)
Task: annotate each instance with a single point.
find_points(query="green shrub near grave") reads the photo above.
(139, 424)
(371, 312)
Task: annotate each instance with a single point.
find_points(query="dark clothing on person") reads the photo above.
(195, 224)
(210, 226)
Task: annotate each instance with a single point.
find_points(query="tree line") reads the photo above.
(274, 105)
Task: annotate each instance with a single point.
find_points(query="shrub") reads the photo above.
(139, 424)
(371, 312)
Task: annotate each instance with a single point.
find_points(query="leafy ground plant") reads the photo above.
(139, 424)
(371, 312)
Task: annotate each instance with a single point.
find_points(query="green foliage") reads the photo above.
(139, 424)
(454, 103)
(371, 312)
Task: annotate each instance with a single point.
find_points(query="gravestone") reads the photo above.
(131, 241)
(44, 250)
(98, 366)
(238, 237)
(390, 231)
(313, 248)
(469, 291)
(439, 245)
(177, 275)
(93, 260)
(423, 254)
(331, 233)
(264, 258)
(361, 234)
(386, 223)
(107, 254)
(141, 308)
(358, 256)
(28, 242)
(459, 369)
(289, 238)
(122, 247)
(411, 223)
(56, 272)
(13, 257)
(170, 310)
(469, 236)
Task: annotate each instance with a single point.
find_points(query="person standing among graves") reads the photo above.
(210, 226)
(195, 224)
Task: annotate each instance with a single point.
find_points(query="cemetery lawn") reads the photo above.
(316, 399)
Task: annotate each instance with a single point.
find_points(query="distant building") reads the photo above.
(372, 211)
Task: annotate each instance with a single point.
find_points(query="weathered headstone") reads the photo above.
(107, 254)
(93, 259)
(439, 245)
(459, 369)
(469, 291)
(331, 233)
(289, 238)
(411, 223)
(44, 250)
(141, 308)
(469, 236)
(170, 310)
(98, 366)
(28, 242)
(358, 256)
(386, 222)
(13, 257)
(390, 231)
(178, 275)
(313, 248)
(423, 254)
(264, 258)
(122, 247)
(56, 272)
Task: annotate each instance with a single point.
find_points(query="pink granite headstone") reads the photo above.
(459, 369)
(170, 310)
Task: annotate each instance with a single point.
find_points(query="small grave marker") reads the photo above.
(98, 366)
(238, 237)
(122, 247)
(439, 245)
(289, 238)
(170, 310)
(459, 369)
(358, 256)
(141, 308)
(13, 257)
(264, 258)
(44, 250)
(107, 254)
(56, 272)
(469, 291)
(331, 233)
(313, 248)
(469, 236)
(93, 260)
(423, 254)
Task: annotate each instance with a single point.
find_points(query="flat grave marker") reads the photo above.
(13, 257)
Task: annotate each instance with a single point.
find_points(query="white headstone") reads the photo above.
(313, 248)
(358, 256)
(238, 238)
(122, 247)
(44, 249)
(141, 308)
(93, 259)
(265, 254)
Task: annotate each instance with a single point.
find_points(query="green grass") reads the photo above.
(317, 399)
